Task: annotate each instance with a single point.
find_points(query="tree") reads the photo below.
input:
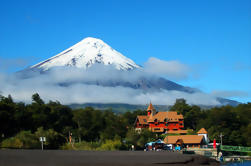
(113, 124)
(130, 117)
(7, 121)
(36, 99)
(60, 116)
(247, 135)
(192, 117)
(90, 123)
(83, 120)
(139, 139)
(180, 106)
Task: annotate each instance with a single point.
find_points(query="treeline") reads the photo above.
(21, 125)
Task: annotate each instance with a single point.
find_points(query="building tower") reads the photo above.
(151, 110)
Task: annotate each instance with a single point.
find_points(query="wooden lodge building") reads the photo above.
(171, 123)
(160, 122)
(188, 141)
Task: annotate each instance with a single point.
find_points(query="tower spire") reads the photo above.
(150, 109)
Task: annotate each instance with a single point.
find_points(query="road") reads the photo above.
(98, 158)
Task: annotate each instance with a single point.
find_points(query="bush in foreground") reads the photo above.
(24, 140)
(101, 146)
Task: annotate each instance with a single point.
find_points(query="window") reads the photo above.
(144, 120)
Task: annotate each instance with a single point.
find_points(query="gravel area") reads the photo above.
(98, 158)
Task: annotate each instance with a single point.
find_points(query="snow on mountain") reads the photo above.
(86, 53)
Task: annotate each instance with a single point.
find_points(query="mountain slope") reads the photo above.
(86, 53)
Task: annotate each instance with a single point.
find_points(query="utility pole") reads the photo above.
(221, 138)
(42, 144)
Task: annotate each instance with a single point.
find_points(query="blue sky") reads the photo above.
(212, 37)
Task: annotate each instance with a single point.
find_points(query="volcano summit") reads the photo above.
(86, 53)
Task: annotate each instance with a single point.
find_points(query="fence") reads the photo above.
(235, 148)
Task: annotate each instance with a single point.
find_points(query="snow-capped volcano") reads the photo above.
(101, 79)
(86, 53)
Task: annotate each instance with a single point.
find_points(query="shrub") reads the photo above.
(111, 145)
(53, 139)
(81, 146)
(107, 145)
(24, 139)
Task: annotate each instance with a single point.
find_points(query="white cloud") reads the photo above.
(170, 69)
(50, 87)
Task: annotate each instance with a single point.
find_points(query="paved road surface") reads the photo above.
(98, 158)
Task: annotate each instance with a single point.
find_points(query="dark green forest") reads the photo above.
(22, 124)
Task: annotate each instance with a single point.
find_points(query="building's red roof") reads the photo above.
(169, 116)
(142, 119)
(160, 117)
(187, 139)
